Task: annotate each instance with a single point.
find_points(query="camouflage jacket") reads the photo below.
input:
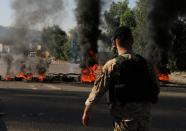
(101, 86)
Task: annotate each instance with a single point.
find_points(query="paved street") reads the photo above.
(58, 107)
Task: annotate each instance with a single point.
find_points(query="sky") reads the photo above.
(6, 13)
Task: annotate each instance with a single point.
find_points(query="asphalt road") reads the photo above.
(60, 109)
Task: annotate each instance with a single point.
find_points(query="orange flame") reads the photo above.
(29, 76)
(41, 77)
(8, 78)
(21, 75)
(88, 74)
(163, 77)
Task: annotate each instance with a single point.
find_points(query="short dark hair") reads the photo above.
(124, 34)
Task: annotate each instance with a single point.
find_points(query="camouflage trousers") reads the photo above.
(131, 125)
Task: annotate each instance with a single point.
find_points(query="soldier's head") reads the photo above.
(122, 38)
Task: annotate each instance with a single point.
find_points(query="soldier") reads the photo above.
(132, 86)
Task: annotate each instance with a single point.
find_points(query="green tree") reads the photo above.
(141, 12)
(128, 19)
(119, 14)
(55, 40)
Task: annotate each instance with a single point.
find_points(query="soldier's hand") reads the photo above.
(86, 116)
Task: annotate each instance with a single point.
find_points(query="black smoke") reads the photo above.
(88, 19)
(161, 18)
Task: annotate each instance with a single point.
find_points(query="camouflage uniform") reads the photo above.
(131, 116)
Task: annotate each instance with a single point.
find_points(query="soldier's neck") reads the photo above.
(123, 51)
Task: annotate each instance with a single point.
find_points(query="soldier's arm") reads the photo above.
(101, 85)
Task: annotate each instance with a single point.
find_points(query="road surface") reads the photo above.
(58, 107)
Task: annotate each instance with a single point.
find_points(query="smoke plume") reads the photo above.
(8, 60)
(30, 13)
(161, 17)
(87, 15)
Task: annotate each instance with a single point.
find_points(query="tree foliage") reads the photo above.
(136, 18)
(118, 14)
(55, 40)
(140, 11)
(128, 19)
